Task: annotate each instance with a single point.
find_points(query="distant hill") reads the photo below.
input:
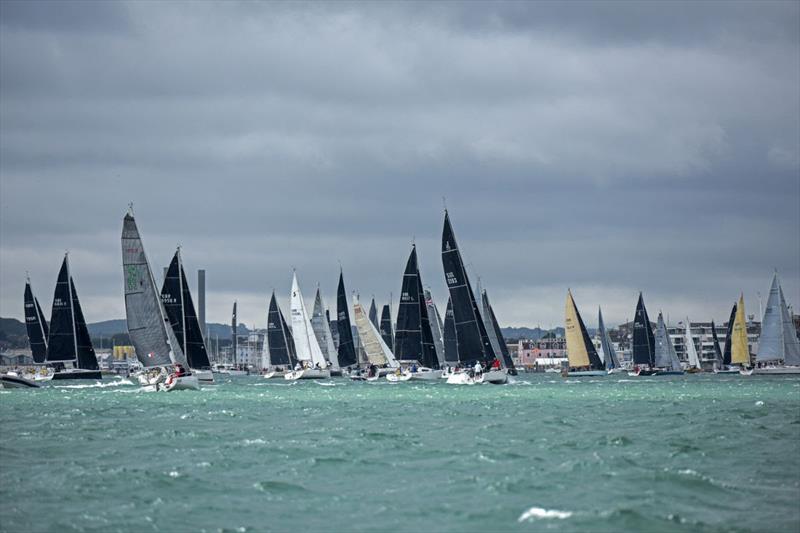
(12, 326)
(108, 328)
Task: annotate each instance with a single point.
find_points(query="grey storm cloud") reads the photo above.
(607, 147)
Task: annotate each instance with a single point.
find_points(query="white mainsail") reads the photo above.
(322, 331)
(378, 353)
(609, 354)
(306, 345)
(665, 356)
(691, 351)
(778, 340)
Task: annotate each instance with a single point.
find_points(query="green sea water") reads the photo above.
(681, 453)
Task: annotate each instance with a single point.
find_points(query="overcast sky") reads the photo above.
(606, 147)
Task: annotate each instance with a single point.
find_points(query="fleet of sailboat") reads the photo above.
(467, 347)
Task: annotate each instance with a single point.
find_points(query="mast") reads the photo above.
(234, 335)
(72, 309)
(185, 345)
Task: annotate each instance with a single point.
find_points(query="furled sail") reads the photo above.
(36, 325)
(496, 335)
(691, 351)
(665, 355)
(179, 307)
(643, 340)
(386, 325)
(726, 356)
(778, 341)
(611, 359)
(378, 353)
(413, 337)
(303, 332)
(347, 349)
(473, 343)
(449, 338)
(279, 350)
(322, 331)
(740, 350)
(148, 326)
(436, 327)
(580, 350)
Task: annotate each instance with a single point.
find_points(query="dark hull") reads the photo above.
(77, 374)
(14, 382)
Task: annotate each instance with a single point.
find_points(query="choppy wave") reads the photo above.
(536, 513)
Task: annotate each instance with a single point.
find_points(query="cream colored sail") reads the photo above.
(377, 351)
(740, 353)
(576, 347)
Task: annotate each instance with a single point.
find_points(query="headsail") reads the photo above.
(322, 331)
(436, 327)
(778, 339)
(62, 341)
(449, 338)
(347, 349)
(740, 351)
(386, 325)
(304, 340)
(496, 335)
(726, 356)
(87, 359)
(413, 337)
(611, 359)
(665, 356)
(643, 340)
(378, 353)
(473, 343)
(691, 351)
(580, 350)
(280, 352)
(179, 307)
(717, 351)
(152, 338)
(36, 325)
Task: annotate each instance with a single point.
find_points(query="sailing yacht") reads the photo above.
(610, 358)
(68, 339)
(472, 340)
(694, 360)
(346, 350)
(581, 353)
(449, 340)
(740, 348)
(436, 328)
(725, 364)
(37, 329)
(278, 345)
(778, 346)
(148, 326)
(413, 344)
(311, 361)
(666, 359)
(177, 299)
(498, 343)
(322, 331)
(387, 332)
(378, 353)
(643, 342)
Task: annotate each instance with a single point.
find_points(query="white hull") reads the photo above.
(616, 371)
(462, 378)
(496, 377)
(173, 383)
(204, 377)
(426, 375)
(586, 373)
(307, 373)
(396, 378)
(727, 371)
(776, 370)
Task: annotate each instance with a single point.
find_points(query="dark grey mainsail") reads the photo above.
(68, 339)
(179, 307)
(726, 355)
(665, 355)
(717, 351)
(473, 342)
(386, 326)
(280, 352)
(36, 326)
(449, 338)
(643, 340)
(609, 353)
(148, 326)
(778, 340)
(347, 350)
(413, 337)
(496, 335)
(436, 327)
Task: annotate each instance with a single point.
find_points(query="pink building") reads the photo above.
(529, 351)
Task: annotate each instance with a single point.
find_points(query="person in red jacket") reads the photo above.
(496, 364)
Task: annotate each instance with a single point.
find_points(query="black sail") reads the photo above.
(408, 330)
(373, 315)
(429, 357)
(36, 326)
(467, 320)
(86, 356)
(506, 357)
(234, 334)
(289, 339)
(717, 351)
(347, 350)
(643, 339)
(449, 335)
(726, 355)
(279, 352)
(61, 345)
(196, 353)
(591, 351)
(386, 326)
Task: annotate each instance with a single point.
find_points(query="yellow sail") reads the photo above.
(576, 348)
(740, 353)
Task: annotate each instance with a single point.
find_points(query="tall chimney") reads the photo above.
(201, 299)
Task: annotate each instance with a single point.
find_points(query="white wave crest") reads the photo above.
(536, 513)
